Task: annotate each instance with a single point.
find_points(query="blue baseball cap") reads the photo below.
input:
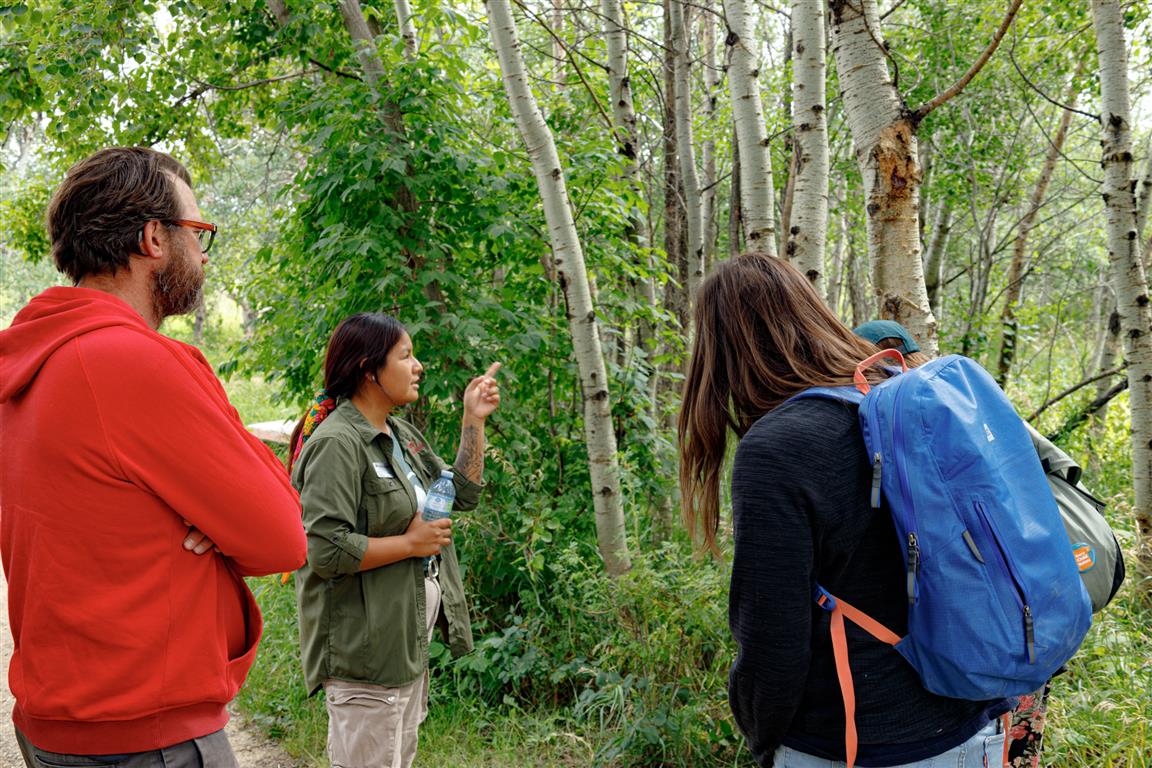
(876, 331)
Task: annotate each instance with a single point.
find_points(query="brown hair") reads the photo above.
(763, 334)
(95, 217)
(359, 345)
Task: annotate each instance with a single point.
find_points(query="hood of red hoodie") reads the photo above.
(51, 319)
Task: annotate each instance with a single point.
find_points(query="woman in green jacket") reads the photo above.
(379, 577)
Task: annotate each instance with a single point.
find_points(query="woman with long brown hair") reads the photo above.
(801, 514)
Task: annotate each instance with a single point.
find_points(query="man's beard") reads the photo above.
(178, 288)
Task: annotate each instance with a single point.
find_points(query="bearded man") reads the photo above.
(132, 499)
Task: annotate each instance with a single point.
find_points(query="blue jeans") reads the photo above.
(985, 748)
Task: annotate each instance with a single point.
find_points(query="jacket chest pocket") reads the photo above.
(386, 506)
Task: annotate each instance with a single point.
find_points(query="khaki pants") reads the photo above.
(371, 726)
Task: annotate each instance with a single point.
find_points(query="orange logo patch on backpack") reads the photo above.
(1085, 556)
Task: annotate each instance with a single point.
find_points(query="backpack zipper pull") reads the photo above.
(876, 471)
(913, 566)
(1029, 634)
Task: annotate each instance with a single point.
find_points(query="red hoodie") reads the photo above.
(112, 436)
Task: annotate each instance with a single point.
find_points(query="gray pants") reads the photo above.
(211, 751)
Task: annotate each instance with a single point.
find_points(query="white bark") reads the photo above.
(837, 272)
(685, 151)
(756, 196)
(624, 130)
(1108, 344)
(1124, 255)
(1144, 196)
(568, 257)
(809, 220)
(362, 39)
(559, 57)
(934, 263)
(407, 27)
(708, 151)
(886, 152)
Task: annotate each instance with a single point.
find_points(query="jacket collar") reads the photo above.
(348, 411)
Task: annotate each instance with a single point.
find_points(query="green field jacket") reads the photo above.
(369, 626)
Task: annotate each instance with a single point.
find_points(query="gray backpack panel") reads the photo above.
(1096, 549)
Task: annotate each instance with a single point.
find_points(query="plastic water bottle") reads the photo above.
(438, 505)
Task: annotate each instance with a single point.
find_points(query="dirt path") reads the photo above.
(252, 749)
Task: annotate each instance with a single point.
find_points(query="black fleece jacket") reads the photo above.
(800, 489)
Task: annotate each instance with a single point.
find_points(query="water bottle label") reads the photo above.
(437, 506)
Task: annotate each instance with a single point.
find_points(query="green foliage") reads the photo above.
(275, 696)
(328, 207)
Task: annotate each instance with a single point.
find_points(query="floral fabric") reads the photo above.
(1027, 730)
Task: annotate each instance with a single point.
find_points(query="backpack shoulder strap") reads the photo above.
(843, 394)
(840, 611)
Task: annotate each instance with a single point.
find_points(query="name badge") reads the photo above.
(382, 469)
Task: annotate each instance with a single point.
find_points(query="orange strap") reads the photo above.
(840, 611)
(859, 377)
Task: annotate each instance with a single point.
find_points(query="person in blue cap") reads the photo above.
(888, 334)
(1026, 733)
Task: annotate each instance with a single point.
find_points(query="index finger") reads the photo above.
(492, 369)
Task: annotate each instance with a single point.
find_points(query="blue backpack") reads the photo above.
(995, 601)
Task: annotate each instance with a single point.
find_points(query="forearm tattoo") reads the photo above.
(470, 457)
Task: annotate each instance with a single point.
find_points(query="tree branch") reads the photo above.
(1081, 416)
(924, 110)
(1046, 97)
(571, 60)
(1075, 387)
(893, 9)
(207, 86)
(283, 16)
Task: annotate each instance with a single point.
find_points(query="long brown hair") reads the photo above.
(763, 334)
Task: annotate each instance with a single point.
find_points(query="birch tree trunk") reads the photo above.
(1108, 342)
(685, 151)
(756, 196)
(390, 114)
(809, 222)
(559, 70)
(735, 214)
(934, 263)
(708, 151)
(1125, 257)
(884, 134)
(624, 130)
(407, 27)
(1143, 199)
(784, 223)
(675, 229)
(837, 272)
(1017, 271)
(568, 257)
(884, 137)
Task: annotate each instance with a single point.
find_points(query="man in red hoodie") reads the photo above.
(132, 499)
